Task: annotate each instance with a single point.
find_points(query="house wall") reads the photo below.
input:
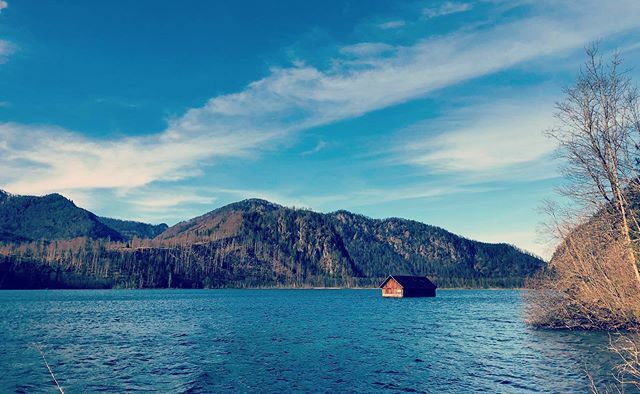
(392, 289)
(419, 292)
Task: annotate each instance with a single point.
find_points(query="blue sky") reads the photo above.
(428, 110)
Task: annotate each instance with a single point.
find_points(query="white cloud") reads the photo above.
(3, 5)
(153, 203)
(446, 8)
(486, 138)
(6, 49)
(367, 49)
(319, 146)
(45, 159)
(39, 159)
(392, 24)
(629, 48)
(372, 196)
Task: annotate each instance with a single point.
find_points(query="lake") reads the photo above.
(287, 340)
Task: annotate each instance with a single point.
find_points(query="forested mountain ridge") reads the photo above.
(54, 217)
(130, 229)
(255, 243)
(345, 244)
(217, 223)
(24, 218)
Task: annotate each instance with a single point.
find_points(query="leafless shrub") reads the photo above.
(593, 280)
(589, 284)
(628, 348)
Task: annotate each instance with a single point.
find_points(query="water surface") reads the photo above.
(287, 340)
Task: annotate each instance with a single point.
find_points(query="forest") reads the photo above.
(255, 243)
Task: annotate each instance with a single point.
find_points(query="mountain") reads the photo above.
(222, 222)
(24, 218)
(256, 243)
(130, 229)
(350, 246)
(54, 217)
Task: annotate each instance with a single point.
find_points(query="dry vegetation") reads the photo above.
(590, 284)
(593, 278)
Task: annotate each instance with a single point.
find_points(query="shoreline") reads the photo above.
(266, 288)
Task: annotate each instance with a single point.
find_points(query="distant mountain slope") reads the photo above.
(349, 246)
(47, 218)
(219, 223)
(130, 229)
(255, 243)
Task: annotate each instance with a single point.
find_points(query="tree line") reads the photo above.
(270, 248)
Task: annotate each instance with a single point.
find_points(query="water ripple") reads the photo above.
(293, 341)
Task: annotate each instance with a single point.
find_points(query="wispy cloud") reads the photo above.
(395, 24)
(419, 191)
(319, 146)
(6, 49)
(159, 204)
(39, 159)
(492, 138)
(446, 8)
(629, 48)
(118, 101)
(367, 49)
(155, 202)
(46, 159)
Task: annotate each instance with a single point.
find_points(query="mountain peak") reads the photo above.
(255, 242)
(5, 194)
(56, 197)
(48, 217)
(249, 204)
(252, 202)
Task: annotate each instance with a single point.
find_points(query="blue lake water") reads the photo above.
(287, 340)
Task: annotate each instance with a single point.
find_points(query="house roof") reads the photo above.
(411, 282)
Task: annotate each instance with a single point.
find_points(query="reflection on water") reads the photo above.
(283, 340)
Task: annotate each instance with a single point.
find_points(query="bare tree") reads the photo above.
(598, 125)
(589, 286)
(593, 278)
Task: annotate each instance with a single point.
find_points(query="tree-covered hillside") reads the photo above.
(343, 246)
(54, 217)
(255, 243)
(131, 229)
(47, 218)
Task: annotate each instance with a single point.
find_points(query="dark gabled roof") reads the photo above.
(411, 282)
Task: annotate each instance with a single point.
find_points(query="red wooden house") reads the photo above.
(399, 286)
